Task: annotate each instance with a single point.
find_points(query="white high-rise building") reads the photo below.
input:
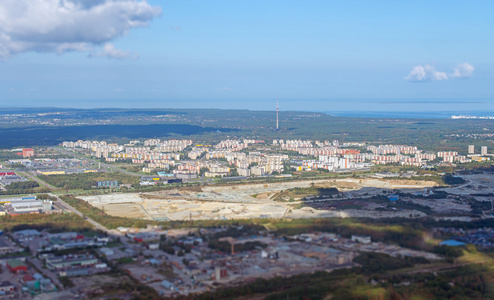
(483, 150)
(471, 149)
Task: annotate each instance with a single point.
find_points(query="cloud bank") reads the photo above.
(69, 25)
(429, 73)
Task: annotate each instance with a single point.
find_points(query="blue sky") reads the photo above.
(312, 55)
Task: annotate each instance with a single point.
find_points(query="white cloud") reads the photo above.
(110, 51)
(429, 73)
(464, 70)
(425, 73)
(68, 25)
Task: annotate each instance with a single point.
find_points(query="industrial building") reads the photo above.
(6, 178)
(28, 206)
(65, 171)
(26, 234)
(69, 261)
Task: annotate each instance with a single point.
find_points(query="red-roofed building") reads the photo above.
(27, 278)
(28, 152)
(16, 266)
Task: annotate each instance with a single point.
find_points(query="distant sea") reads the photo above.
(370, 108)
(401, 114)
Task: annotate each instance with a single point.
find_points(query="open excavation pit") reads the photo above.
(243, 201)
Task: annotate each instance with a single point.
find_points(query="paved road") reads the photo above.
(47, 273)
(108, 166)
(66, 206)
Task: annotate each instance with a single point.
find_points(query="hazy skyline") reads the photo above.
(104, 53)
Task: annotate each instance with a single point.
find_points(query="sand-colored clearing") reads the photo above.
(237, 201)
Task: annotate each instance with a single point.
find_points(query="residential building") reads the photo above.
(471, 149)
(27, 152)
(483, 150)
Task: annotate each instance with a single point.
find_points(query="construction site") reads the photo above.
(252, 200)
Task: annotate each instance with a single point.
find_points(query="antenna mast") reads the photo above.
(277, 112)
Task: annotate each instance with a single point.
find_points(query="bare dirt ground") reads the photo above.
(242, 201)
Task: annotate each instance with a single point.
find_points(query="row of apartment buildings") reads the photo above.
(220, 159)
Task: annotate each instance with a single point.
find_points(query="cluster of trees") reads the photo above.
(448, 251)
(70, 181)
(479, 206)
(453, 180)
(372, 262)
(240, 231)
(240, 247)
(45, 197)
(53, 222)
(7, 154)
(23, 185)
(405, 236)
